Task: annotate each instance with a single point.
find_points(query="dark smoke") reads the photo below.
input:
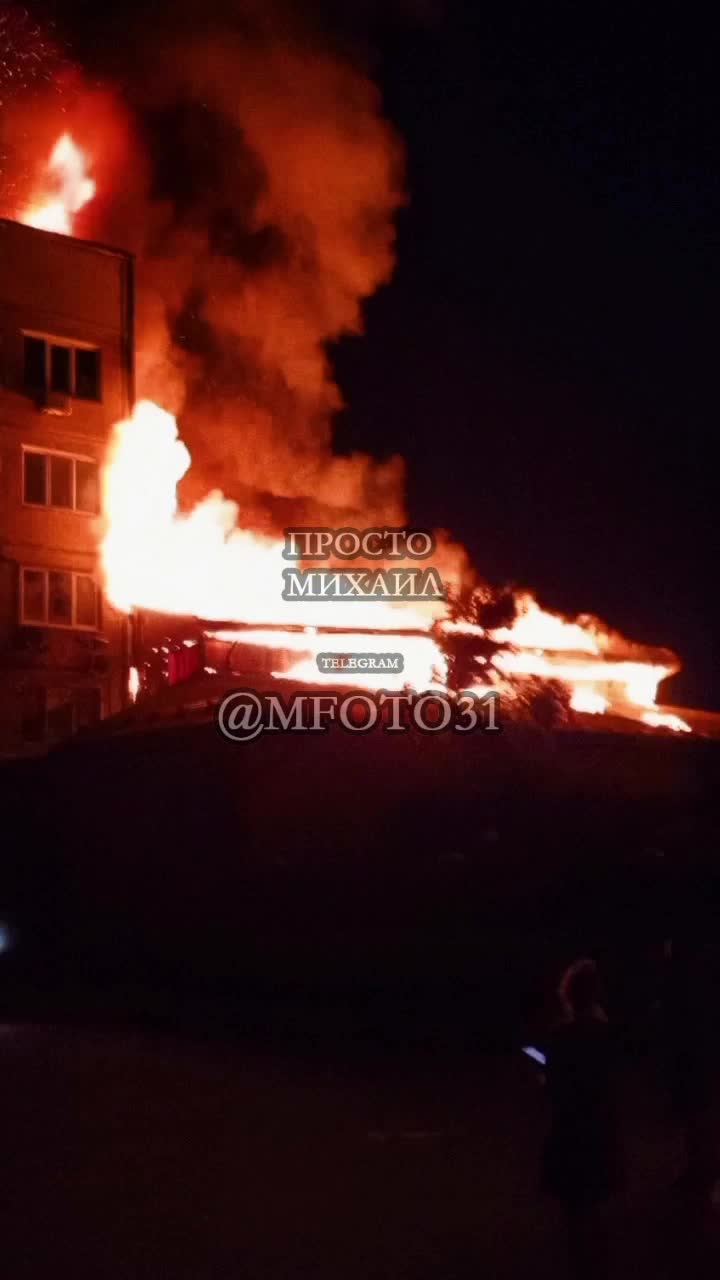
(261, 209)
(243, 156)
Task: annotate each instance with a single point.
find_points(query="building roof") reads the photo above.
(92, 246)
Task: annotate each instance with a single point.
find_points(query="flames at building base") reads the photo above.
(203, 565)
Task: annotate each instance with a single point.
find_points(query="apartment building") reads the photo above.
(66, 375)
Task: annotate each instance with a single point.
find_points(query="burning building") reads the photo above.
(66, 374)
(242, 283)
(76, 590)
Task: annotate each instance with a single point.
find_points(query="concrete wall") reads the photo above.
(74, 292)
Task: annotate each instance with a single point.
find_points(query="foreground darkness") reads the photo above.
(543, 355)
(264, 1012)
(223, 1155)
(343, 859)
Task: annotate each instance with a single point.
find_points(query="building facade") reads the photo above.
(66, 375)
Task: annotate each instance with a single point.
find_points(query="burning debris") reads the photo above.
(202, 564)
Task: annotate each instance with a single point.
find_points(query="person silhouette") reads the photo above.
(581, 1157)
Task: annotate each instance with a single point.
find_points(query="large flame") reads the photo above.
(66, 189)
(203, 564)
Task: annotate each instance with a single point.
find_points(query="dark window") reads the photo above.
(61, 481)
(61, 369)
(74, 483)
(87, 488)
(87, 374)
(33, 715)
(35, 370)
(33, 593)
(35, 478)
(60, 598)
(58, 713)
(85, 601)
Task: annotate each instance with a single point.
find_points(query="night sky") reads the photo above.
(545, 354)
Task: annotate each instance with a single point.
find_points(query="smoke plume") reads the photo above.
(274, 180)
(248, 166)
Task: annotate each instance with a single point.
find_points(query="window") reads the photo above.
(58, 713)
(60, 369)
(58, 598)
(33, 605)
(35, 478)
(35, 362)
(85, 601)
(87, 374)
(87, 488)
(60, 480)
(52, 365)
(33, 715)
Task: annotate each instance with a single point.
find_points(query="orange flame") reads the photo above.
(534, 628)
(203, 564)
(133, 685)
(67, 188)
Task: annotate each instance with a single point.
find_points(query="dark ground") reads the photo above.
(139, 1154)
(244, 1036)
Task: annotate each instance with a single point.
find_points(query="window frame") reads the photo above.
(73, 625)
(46, 690)
(74, 510)
(72, 345)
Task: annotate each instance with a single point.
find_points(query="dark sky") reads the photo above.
(545, 354)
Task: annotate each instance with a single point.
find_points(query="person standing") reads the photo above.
(581, 1164)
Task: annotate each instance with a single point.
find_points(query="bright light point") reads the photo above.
(589, 702)
(67, 189)
(665, 720)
